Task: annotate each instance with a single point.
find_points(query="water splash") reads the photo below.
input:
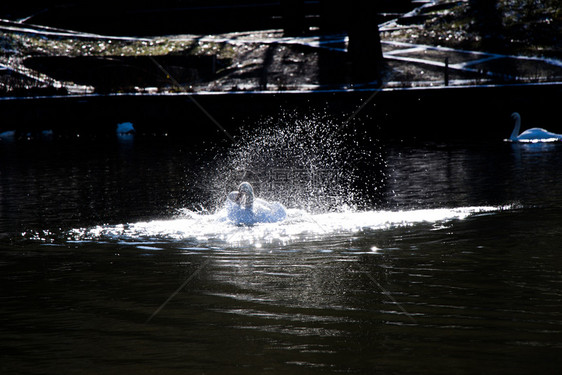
(196, 230)
(310, 162)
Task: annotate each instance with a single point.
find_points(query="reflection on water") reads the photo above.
(454, 269)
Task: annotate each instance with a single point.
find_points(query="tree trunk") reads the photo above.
(364, 48)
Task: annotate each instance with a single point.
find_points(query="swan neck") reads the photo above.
(516, 128)
(249, 201)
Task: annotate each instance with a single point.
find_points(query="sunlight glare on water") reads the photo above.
(214, 230)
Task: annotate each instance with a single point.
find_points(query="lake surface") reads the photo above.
(114, 259)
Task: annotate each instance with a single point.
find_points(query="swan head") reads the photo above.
(245, 195)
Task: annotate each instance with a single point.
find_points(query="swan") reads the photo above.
(9, 135)
(243, 208)
(125, 128)
(531, 135)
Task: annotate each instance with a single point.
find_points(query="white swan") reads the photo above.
(245, 209)
(125, 128)
(531, 135)
(9, 135)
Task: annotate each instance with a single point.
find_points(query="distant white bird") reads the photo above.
(532, 135)
(9, 135)
(243, 208)
(125, 128)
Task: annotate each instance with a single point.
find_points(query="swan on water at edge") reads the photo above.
(243, 208)
(531, 135)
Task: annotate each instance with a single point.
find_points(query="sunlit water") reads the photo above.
(216, 231)
(443, 258)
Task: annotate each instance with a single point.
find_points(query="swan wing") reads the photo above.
(239, 215)
(269, 212)
(538, 134)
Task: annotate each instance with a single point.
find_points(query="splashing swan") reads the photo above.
(531, 135)
(245, 209)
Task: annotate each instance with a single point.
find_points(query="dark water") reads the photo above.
(109, 265)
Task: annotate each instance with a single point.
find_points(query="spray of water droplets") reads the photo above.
(311, 162)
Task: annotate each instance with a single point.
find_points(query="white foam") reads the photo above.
(201, 230)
